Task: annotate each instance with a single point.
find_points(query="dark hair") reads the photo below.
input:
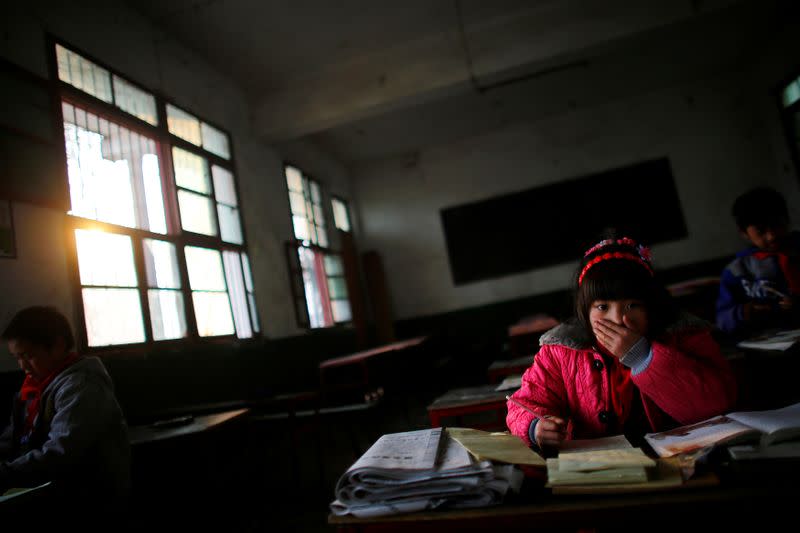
(761, 206)
(620, 279)
(41, 326)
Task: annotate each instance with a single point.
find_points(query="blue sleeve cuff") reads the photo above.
(638, 356)
(532, 434)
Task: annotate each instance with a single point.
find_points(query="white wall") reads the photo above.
(119, 37)
(39, 274)
(714, 131)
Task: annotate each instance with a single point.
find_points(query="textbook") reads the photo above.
(557, 475)
(762, 427)
(611, 465)
(780, 340)
(418, 470)
(502, 447)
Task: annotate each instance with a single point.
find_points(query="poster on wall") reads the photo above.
(7, 248)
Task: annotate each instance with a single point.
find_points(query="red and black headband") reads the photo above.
(641, 256)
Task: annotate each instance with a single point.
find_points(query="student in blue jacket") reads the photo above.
(66, 425)
(759, 289)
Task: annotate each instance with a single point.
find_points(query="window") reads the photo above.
(318, 278)
(790, 109)
(154, 212)
(305, 200)
(341, 214)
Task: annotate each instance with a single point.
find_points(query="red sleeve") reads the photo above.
(689, 379)
(542, 391)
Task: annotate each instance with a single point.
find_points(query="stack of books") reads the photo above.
(606, 461)
(418, 470)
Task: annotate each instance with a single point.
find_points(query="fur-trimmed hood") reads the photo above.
(572, 335)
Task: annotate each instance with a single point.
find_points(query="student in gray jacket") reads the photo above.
(66, 426)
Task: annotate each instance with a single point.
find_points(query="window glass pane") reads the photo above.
(223, 185)
(322, 237)
(113, 316)
(105, 259)
(333, 265)
(237, 293)
(135, 101)
(337, 288)
(100, 188)
(83, 74)
(251, 300)
(215, 141)
(197, 213)
(230, 228)
(294, 179)
(191, 171)
(297, 203)
(154, 198)
(183, 125)
(109, 168)
(791, 93)
(167, 314)
(248, 277)
(319, 216)
(205, 269)
(341, 218)
(300, 228)
(213, 313)
(315, 195)
(311, 278)
(161, 264)
(341, 311)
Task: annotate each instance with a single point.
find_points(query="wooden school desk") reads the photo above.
(469, 401)
(362, 363)
(502, 368)
(177, 427)
(719, 508)
(767, 379)
(523, 337)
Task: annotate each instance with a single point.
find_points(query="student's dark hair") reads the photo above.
(761, 206)
(41, 326)
(620, 278)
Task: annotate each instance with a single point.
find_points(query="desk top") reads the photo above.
(536, 324)
(519, 362)
(366, 354)
(154, 432)
(468, 396)
(544, 510)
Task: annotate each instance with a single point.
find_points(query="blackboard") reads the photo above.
(555, 223)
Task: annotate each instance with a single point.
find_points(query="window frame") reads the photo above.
(294, 267)
(63, 92)
(347, 211)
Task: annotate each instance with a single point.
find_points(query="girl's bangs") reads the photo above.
(617, 280)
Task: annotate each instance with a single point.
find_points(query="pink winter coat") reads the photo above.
(687, 381)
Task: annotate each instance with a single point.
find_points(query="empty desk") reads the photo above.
(481, 400)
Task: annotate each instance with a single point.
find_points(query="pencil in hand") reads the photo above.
(515, 402)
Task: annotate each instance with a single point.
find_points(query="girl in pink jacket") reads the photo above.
(628, 363)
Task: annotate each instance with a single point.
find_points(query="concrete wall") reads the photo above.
(720, 132)
(119, 37)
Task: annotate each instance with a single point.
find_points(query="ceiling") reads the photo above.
(367, 80)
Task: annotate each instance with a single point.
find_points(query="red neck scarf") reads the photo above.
(790, 270)
(31, 391)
